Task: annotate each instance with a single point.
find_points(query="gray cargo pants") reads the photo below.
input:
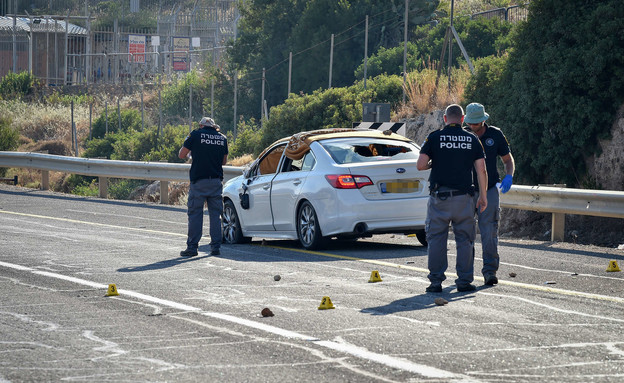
(488, 227)
(460, 212)
(210, 191)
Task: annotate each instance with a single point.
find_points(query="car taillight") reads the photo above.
(347, 181)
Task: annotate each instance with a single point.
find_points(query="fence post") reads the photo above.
(103, 186)
(558, 227)
(164, 192)
(45, 179)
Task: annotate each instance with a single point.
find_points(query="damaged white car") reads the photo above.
(341, 183)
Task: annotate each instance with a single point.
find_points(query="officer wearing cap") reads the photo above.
(451, 153)
(495, 145)
(209, 150)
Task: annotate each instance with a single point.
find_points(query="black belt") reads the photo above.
(208, 178)
(446, 194)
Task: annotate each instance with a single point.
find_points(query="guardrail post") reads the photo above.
(45, 179)
(558, 227)
(164, 192)
(103, 184)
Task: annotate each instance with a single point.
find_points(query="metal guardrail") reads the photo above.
(556, 200)
(104, 169)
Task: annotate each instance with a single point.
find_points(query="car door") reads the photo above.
(259, 217)
(285, 190)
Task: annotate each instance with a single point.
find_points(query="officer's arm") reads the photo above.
(510, 164)
(423, 162)
(483, 181)
(224, 159)
(184, 152)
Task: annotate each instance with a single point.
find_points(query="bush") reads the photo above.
(560, 89)
(9, 138)
(16, 85)
(248, 140)
(122, 188)
(130, 120)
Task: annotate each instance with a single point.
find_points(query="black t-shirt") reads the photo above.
(495, 144)
(453, 152)
(207, 148)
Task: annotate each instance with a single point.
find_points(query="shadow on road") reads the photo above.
(550, 247)
(162, 264)
(421, 302)
(291, 251)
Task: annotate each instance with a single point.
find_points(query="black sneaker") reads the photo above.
(434, 288)
(215, 252)
(491, 280)
(464, 288)
(188, 253)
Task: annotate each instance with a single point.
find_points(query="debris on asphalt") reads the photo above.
(440, 301)
(574, 274)
(621, 247)
(550, 282)
(266, 312)
(277, 277)
(513, 275)
(409, 262)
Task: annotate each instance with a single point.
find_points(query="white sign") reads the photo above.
(136, 46)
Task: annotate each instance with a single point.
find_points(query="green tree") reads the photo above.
(560, 89)
(270, 29)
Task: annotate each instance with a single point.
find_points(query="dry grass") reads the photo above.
(424, 97)
(242, 160)
(43, 122)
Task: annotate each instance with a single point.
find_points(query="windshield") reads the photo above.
(365, 149)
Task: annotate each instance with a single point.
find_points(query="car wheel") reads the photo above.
(308, 229)
(421, 235)
(232, 232)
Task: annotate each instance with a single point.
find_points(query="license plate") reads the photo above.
(400, 187)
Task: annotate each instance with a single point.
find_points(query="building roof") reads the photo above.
(24, 25)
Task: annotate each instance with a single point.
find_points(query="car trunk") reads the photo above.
(392, 180)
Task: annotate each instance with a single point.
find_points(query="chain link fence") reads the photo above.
(71, 48)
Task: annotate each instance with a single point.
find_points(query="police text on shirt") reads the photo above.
(455, 142)
(212, 139)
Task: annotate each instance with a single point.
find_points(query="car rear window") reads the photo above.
(362, 149)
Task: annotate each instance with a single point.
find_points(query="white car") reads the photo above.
(342, 183)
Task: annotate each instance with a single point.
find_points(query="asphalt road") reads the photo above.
(559, 319)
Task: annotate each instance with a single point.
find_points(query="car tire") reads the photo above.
(308, 228)
(231, 226)
(421, 235)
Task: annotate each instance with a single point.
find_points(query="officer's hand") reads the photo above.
(482, 203)
(506, 183)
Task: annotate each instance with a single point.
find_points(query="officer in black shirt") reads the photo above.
(495, 145)
(209, 150)
(451, 153)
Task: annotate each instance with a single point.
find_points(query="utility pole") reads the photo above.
(405, 49)
(331, 60)
(365, 50)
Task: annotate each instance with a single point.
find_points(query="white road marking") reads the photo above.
(390, 361)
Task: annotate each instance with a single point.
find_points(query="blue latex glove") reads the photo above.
(506, 183)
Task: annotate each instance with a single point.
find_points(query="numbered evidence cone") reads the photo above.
(374, 277)
(326, 304)
(112, 290)
(613, 266)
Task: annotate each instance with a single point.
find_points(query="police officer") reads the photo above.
(495, 144)
(451, 153)
(209, 150)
